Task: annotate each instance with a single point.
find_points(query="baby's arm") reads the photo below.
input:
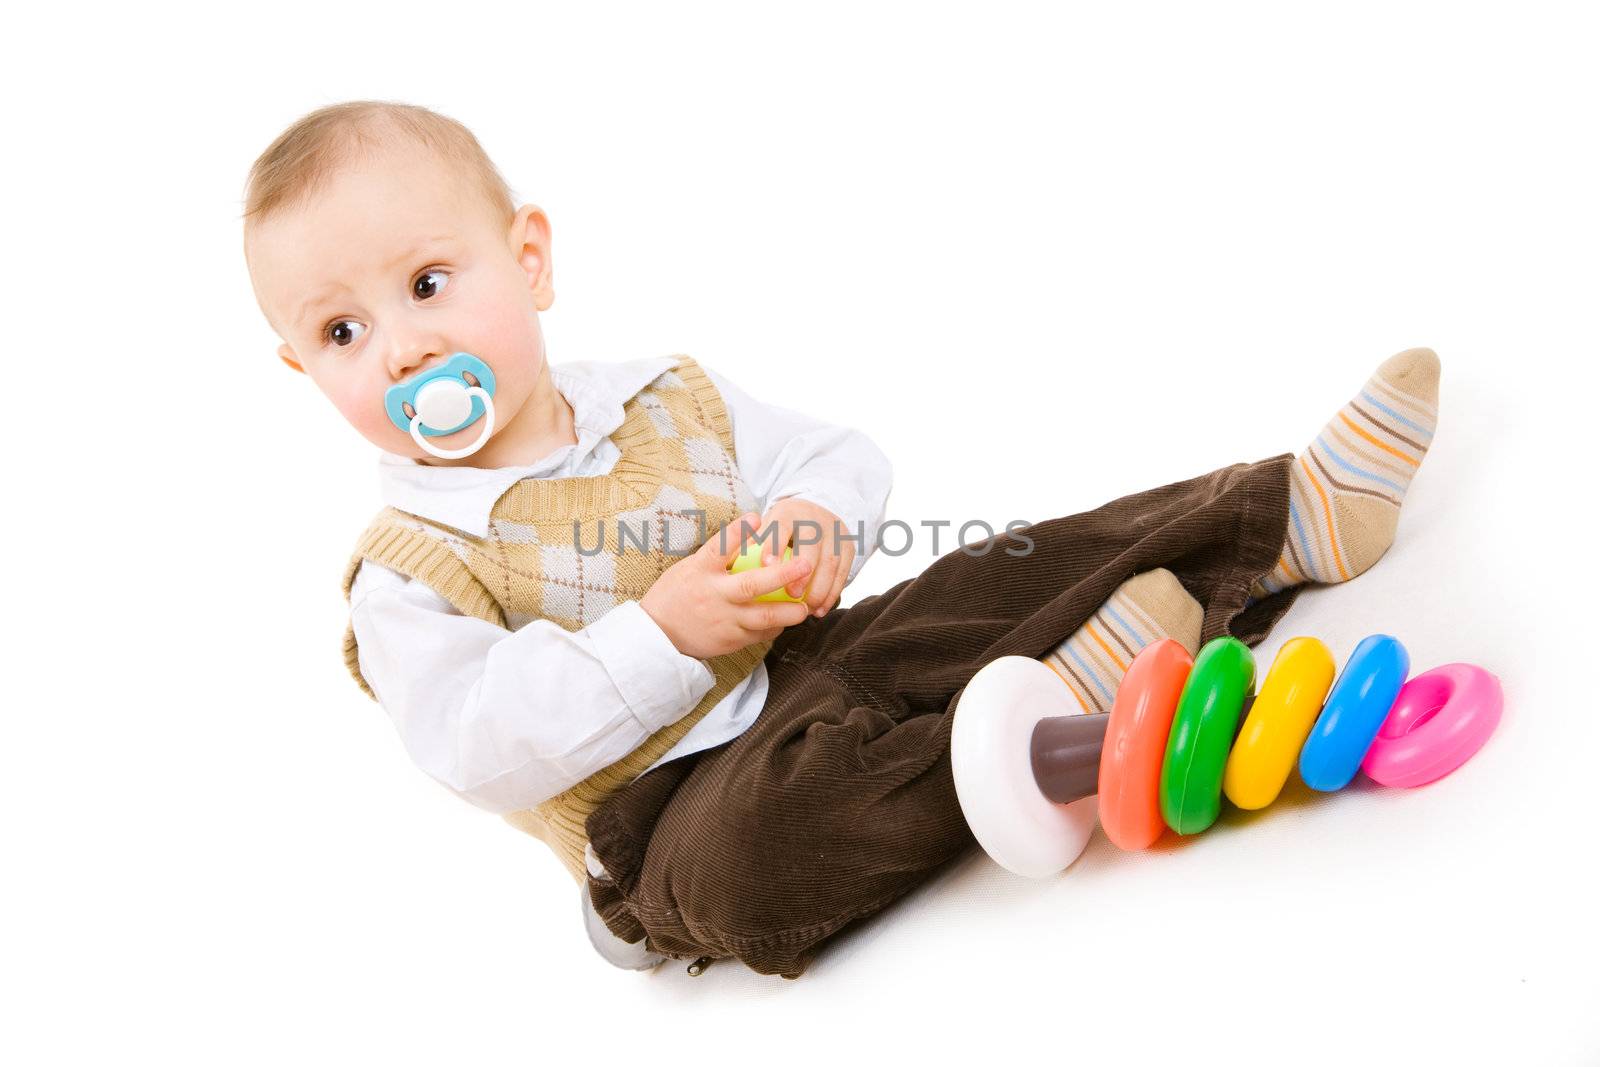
(507, 719)
(784, 453)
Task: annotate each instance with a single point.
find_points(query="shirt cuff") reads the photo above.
(659, 683)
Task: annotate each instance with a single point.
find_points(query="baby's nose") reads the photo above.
(408, 361)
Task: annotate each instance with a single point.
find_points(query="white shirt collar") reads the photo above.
(462, 497)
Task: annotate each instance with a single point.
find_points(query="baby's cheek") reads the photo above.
(363, 409)
(508, 334)
(509, 340)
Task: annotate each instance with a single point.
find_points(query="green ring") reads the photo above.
(1202, 733)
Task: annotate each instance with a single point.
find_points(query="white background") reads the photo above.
(1046, 257)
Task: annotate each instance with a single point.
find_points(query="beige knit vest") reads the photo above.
(677, 459)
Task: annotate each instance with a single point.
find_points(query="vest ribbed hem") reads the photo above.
(631, 483)
(712, 409)
(392, 542)
(417, 555)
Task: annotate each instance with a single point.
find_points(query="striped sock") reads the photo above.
(1345, 495)
(1145, 608)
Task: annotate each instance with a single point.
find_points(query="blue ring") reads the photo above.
(1354, 713)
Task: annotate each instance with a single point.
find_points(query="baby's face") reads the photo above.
(390, 269)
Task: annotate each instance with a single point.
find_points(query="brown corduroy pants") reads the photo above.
(839, 797)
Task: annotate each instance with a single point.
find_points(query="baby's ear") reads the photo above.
(530, 243)
(286, 354)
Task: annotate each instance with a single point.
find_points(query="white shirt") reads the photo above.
(507, 719)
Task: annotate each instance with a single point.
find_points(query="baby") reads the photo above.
(544, 606)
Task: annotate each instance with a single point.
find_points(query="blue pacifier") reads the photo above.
(442, 401)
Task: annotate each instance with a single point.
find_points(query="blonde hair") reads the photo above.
(306, 155)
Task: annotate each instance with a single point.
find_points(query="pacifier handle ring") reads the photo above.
(458, 453)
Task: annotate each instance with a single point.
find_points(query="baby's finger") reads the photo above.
(784, 529)
(725, 544)
(812, 553)
(841, 576)
(838, 587)
(766, 616)
(822, 581)
(758, 580)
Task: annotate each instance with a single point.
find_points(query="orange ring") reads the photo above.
(1136, 743)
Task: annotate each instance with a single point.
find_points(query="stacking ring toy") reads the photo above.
(1027, 760)
(991, 758)
(1440, 720)
(1279, 720)
(1356, 708)
(1202, 729)
(1136, 743)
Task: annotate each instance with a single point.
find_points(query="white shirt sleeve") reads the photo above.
(783, 453)
(507, 719)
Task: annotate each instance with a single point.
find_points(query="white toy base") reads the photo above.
(1015, 823)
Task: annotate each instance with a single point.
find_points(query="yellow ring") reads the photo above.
(1279, 722)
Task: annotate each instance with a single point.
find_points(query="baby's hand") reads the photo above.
(705, 611)
(826, 547)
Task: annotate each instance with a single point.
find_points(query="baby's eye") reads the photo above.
(429, 283)
(343, 331)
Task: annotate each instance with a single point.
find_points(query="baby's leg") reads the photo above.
(1144, 609)
(1348, 484)
(1346, 492)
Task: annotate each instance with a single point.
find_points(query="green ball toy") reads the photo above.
(750, 559)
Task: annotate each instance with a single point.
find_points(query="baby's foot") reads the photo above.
(1145, 608)
(1345, 495)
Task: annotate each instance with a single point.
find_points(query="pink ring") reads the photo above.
(1439, 721)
